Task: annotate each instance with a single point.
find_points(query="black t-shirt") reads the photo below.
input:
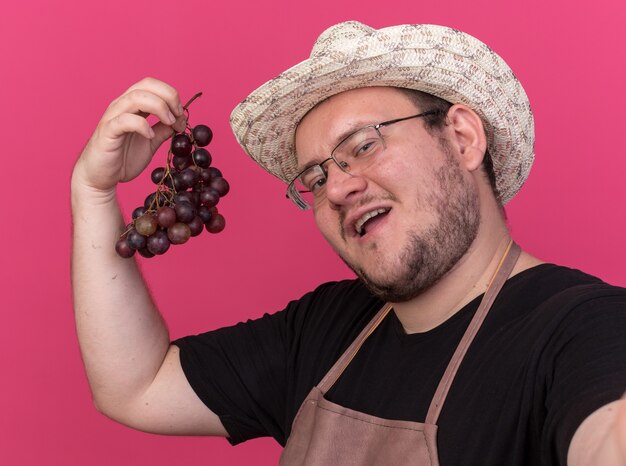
(549, 353)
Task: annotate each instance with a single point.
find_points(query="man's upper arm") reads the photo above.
(170, 406)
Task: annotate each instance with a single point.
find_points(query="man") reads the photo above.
(406, 142)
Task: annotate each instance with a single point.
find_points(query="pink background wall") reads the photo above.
(62, 62)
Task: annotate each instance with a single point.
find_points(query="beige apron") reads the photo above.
(324, 433)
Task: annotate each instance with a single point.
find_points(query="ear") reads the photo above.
(468, 135)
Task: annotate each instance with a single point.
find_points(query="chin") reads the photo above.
(421, 267)
(426, 258)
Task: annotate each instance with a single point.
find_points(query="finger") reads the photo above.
(142, 103)
(181, 123)
(162, 133)
(161, 89)
(127, 123)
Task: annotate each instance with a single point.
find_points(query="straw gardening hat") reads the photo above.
(437, 60)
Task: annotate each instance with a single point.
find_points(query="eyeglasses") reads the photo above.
(353, 155)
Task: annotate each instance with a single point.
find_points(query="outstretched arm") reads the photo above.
(601, 438)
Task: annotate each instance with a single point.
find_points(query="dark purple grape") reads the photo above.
(189, 177)
(220, 185)
(215, 172)
(138, 212)
(181, 145)
(204, 213)
(195, 196)
(146, 224)
(209, 196)
(179, 182)
(202, 158)
(166, 216)
(145, 253)
(178, 233)
(135, 239)
(216, 224)
(196, 226)
(149, 200)
(183, 196)
(157, 175)
(180, 163)
(158, 243)
(185, 212)
(202, 135)
(205, 176)
(123, 249)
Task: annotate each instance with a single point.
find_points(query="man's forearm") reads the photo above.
(123, 338)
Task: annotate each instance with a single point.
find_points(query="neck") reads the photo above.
(469, 278)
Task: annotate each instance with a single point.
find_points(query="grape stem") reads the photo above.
(188, 104)
(169, 197)
(191, 100)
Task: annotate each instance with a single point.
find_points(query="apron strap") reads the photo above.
(333, 374)
(502, 273)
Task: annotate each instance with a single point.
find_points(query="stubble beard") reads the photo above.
(430, 254)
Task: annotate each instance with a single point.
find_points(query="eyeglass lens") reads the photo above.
(353, 155)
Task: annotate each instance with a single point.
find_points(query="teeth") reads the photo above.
(358, 225)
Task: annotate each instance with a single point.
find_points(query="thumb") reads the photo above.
(163, 132)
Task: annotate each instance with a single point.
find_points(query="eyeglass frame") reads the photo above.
(294, 195)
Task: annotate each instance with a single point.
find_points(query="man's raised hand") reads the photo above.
(124, 142)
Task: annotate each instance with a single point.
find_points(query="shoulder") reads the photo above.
(550, 307)
(584, 353)
(551, 283)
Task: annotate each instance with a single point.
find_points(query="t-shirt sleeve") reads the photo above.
(588, 369)
(239, 373)
(246, 373)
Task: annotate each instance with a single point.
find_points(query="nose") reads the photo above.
(343, 188)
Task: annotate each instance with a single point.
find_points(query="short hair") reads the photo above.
(435, 122)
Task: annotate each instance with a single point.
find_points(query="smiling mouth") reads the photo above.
(362, 225)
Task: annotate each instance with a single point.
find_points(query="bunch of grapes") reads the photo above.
(183, 205)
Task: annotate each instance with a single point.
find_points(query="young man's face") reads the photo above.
(430, 204)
